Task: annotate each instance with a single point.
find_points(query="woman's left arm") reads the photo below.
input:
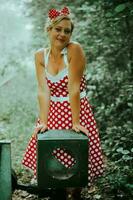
(76, 68)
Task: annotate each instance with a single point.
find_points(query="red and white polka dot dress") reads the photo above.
(60, 117)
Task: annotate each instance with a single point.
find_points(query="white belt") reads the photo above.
(61, 98)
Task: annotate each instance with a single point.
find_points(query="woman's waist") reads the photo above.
(66, 98)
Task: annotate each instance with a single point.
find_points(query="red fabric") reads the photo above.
(53, 13)
(64, 157)
(60, 117)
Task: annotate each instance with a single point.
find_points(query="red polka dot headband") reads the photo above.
(53, 13)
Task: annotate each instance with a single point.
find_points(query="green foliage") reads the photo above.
(120, 8)
(117, 183)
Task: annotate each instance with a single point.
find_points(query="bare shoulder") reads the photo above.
(39, 56)
(74, 48)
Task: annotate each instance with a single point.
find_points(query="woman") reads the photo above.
(62, 91)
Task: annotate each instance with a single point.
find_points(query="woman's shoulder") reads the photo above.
(41, 51)
(74, 45)
(75, 48)
(40, 54)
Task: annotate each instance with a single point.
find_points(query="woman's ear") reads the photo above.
(49, 29)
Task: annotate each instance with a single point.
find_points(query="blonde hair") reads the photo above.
(51, 23)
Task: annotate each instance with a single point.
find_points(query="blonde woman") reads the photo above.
(62, 91)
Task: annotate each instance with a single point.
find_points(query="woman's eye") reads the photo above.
(58, 29)
(67, 31)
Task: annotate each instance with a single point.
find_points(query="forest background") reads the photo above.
(104, 28)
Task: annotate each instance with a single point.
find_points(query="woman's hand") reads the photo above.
(78, 128)
(40, 127)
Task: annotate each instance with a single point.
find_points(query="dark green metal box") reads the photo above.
(53, 174)
(5, 170)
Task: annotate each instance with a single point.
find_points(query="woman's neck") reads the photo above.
(55, 52)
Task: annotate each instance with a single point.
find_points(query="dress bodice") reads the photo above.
(58, 84)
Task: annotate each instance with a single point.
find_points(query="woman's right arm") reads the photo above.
(43, 91)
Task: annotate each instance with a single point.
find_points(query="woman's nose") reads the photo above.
(62, 33)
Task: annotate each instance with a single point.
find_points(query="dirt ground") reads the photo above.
(21, 195)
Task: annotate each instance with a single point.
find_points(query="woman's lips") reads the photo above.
(61, 40)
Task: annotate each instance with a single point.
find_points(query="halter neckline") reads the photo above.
(64, 52)
(46, 59)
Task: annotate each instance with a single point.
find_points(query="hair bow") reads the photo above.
(53, 13)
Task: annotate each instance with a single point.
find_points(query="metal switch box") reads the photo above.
(53, 172)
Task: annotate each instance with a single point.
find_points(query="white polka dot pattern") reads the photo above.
(60, 117)
(64, 157)
(53, 13)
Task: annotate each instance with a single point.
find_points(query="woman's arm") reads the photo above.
(76, 69)
(43, 90)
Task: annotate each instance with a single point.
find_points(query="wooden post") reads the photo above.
(5, 170)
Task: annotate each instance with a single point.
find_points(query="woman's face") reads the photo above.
(60, 34)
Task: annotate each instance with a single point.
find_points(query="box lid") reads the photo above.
(61, 135)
